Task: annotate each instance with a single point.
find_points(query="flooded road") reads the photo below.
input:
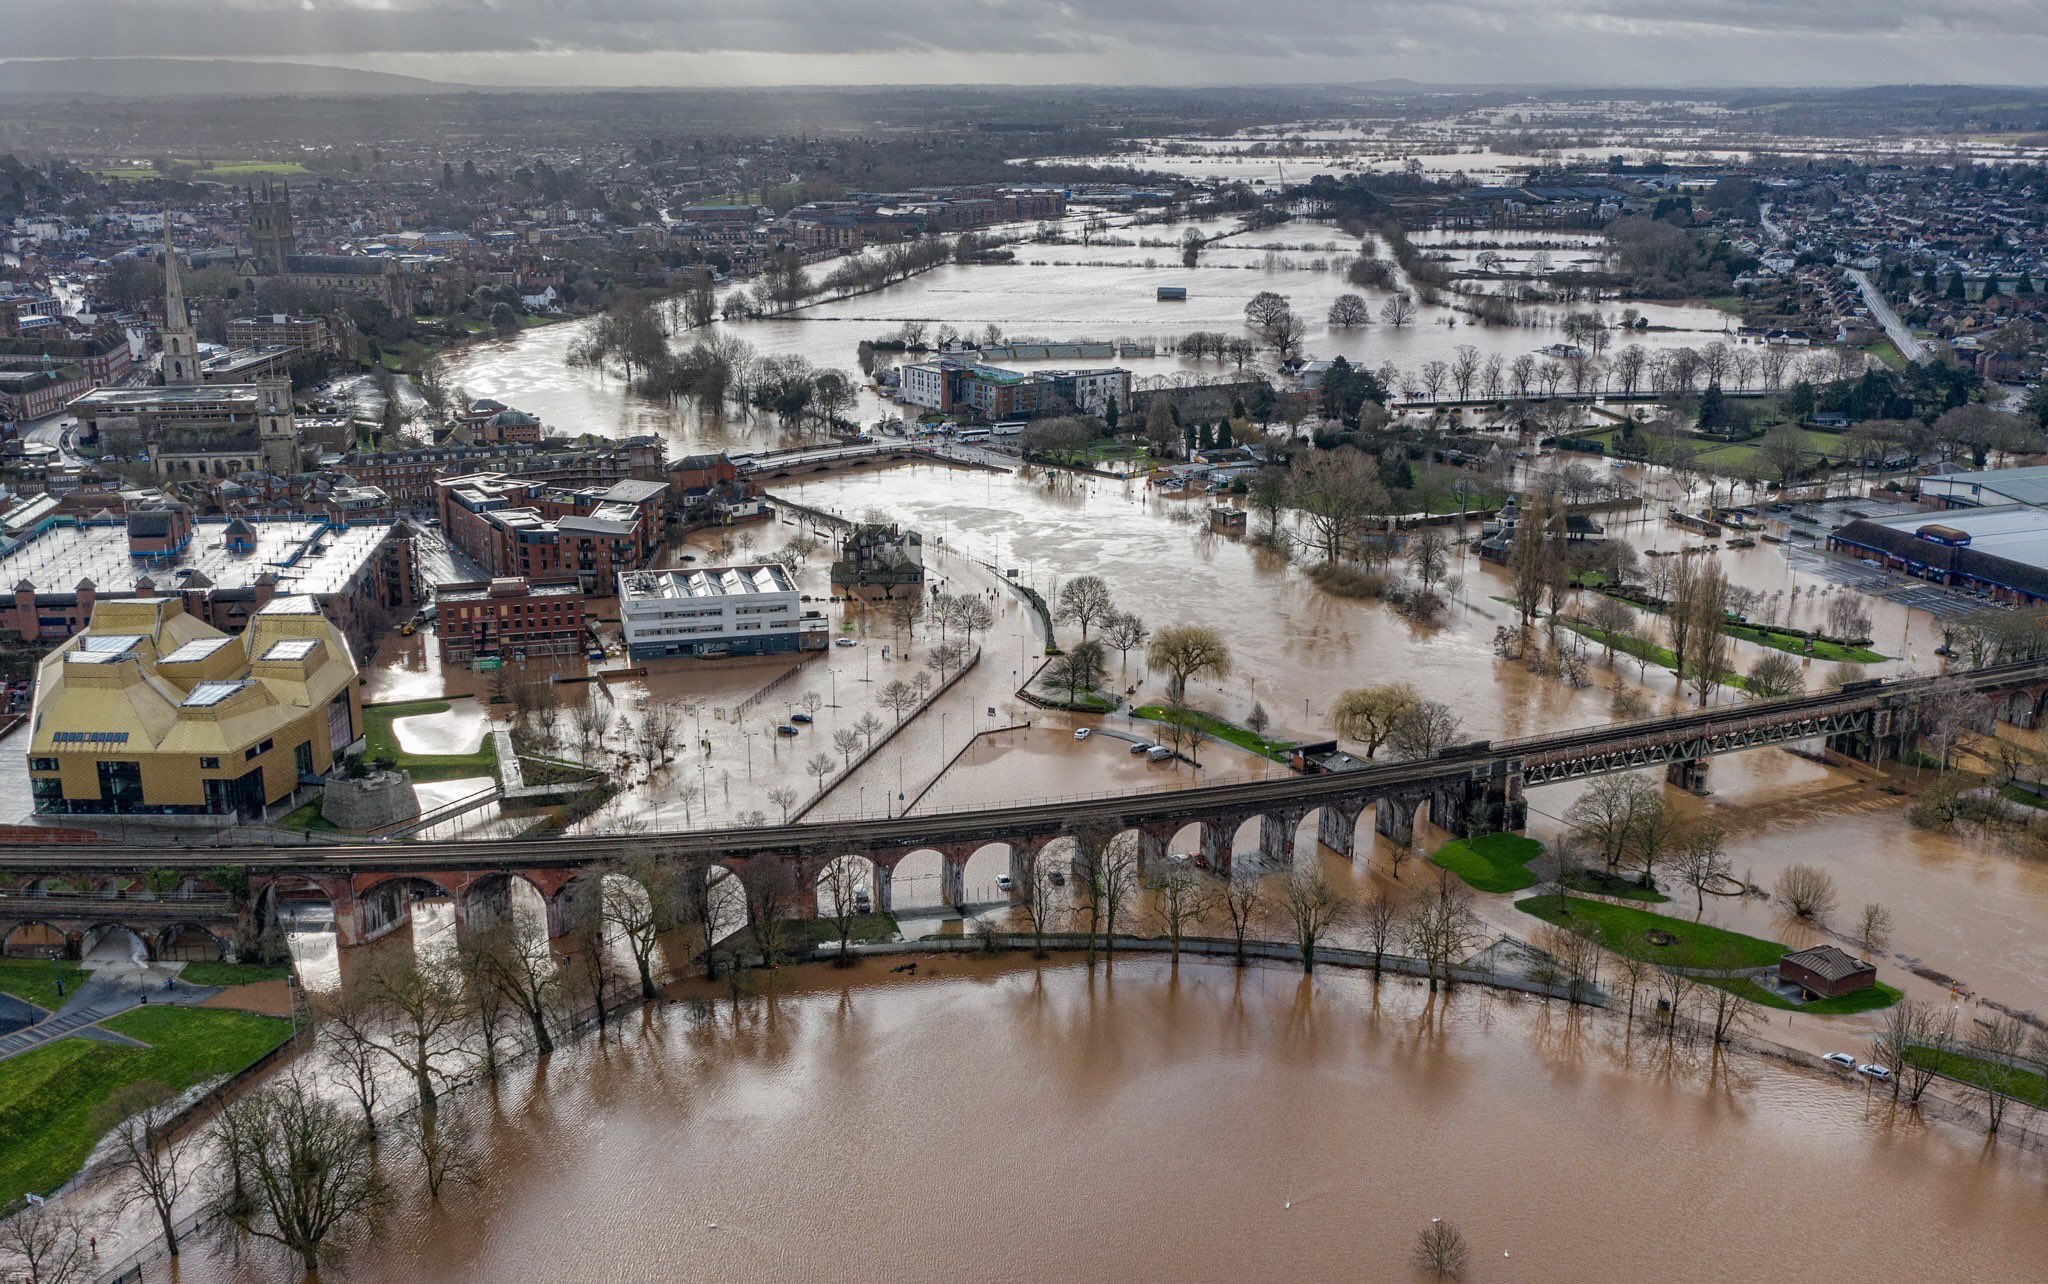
(1011, 1122)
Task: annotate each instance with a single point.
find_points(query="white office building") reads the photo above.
(716, 610)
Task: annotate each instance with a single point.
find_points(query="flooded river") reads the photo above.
(1002, 1121)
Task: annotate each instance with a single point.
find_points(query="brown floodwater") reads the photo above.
(1004, 1121)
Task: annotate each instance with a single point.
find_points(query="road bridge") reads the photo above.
(1469, 788)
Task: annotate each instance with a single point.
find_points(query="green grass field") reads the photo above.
(1874, 999)
(1628, 889)
(35, 980)
(1662, 656)
(248, 168)
(381, 742)
(208, 973)
(1242, 737)
(48, 1095)
(1624, 929)
(1491, 862)
(2021, 1085)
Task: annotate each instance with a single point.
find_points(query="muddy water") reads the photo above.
(1002, 1122)
(1058, 292)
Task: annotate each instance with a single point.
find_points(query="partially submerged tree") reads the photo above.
(295, 1172)
(1313, 907)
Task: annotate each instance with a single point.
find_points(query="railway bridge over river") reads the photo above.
(78, 889)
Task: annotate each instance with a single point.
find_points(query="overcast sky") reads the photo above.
(680, 42)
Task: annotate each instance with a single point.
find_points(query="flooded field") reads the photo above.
(1004, 1121)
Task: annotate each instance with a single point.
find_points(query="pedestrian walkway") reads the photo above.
(107, 992)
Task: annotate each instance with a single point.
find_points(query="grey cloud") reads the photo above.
(1142, 40)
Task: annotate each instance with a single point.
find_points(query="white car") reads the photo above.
(1003, 881)
(846, 642)
(1841, 1059)
(1080, 733)
(1876, 1072)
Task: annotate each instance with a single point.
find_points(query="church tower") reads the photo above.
(277, 427)
(181, 342)
(271, 239)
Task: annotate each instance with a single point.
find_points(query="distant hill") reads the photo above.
(183, 78)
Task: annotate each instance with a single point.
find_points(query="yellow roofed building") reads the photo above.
(153, 712)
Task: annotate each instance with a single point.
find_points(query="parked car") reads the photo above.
(785, 730)
(846, 642)
(1841, 1059)
(862, 903)
(1057, 878)
(800, 718)
(1143, 746)
(1158, 753)
(1876, 1072)
(1003, 882)
(1080, 733)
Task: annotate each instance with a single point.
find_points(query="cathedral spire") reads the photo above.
(174, 289)
(180, 365)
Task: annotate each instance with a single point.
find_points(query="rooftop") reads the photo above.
(2015, 532)
(707, 582)
(304, 556)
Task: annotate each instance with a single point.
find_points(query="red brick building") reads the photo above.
(510, 618)
(515, 527)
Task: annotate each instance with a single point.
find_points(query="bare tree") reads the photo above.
(442, 1141)
(785, 798)
(1440, 928)
(144, 1153)
(1380, 920)
(345, 1034)
(1084, 600)
(417, 1014)
(1440, 1251)
(867, 725)
(1425, 729)
(296, 1172)
(821, 766)
(1313, 907)
(1775, 675)
(1040, 900)
(1604, 819)
(839, 890)
(521, 967)
(898, 698)
(1429, 555)
(635, 896)
(1999, 1045)
(1184, 897)
(1113, 879)
(1338, 493)
(1124, 631)
(847, 741)
(1807, 891)
(771, 894)
(1700, 859)
(1244, 902)
(46, 1244)
(1398, 311)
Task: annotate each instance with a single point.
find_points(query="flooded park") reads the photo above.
(996, 1118)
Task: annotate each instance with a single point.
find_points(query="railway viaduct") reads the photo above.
(73, 891)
